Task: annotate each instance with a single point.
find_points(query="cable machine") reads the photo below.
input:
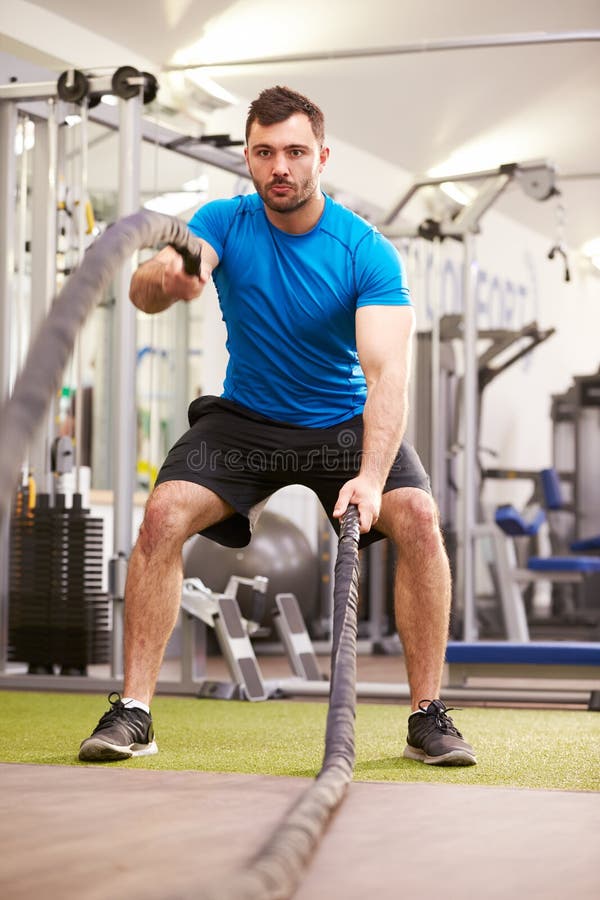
(440, 447)
(462, 224)
(45, 105)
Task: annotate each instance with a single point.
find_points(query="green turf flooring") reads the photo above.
(557, 749)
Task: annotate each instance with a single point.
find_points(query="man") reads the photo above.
(319, 325)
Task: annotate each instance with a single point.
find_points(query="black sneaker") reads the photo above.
(120, 734)
(434, 739)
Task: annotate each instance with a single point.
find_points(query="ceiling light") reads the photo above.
(591, 251)
(248, 25)
(175, 203)
(210, 87)
(109, 99)
(460, 193)
(193, 94)
(73, 119)
(591, 248)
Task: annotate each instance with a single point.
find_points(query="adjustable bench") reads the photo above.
(537, 659)
(554, 568)
(509, 527)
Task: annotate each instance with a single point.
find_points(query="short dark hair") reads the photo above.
(278, 103)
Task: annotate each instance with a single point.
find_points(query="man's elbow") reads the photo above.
(135, 292)
(391, 375)
(145, 289)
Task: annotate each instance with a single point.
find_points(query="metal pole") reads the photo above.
(81, 230)
(470, 468)
(8, 129)
(438, 443)
(43, 265)
(376, 570)
(476, 42)
(22, 311)
(124, 391)
(8, 200)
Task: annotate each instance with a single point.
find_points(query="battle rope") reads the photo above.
(50, 350)
(275, 871)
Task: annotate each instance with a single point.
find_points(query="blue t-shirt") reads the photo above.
(289, 303)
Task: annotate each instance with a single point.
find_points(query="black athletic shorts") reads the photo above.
(244, 458)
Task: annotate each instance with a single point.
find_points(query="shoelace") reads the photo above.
(116, 711)
(442, 720)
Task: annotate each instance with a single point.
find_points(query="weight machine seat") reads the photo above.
(513, 523)
(584, 564)
(592, 543)
(549, 653)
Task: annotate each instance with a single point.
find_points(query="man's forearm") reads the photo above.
(384, 419)
(146, 290)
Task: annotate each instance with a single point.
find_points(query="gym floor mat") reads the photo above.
(549, 749)
(94, 832)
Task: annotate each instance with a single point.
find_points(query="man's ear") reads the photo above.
(323, 157)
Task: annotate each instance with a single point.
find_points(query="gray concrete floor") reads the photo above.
(103, 832)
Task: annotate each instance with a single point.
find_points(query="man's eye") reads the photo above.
(263, 153)
(296, 152)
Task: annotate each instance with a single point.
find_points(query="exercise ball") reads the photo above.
(278, 550)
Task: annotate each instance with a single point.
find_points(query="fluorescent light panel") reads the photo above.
(460, 193)
(591, 249)
(175, 202)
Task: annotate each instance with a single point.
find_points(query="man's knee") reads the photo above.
(410, 515)
(174, 511)
(163, 523)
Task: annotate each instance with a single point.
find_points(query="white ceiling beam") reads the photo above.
(416, 47)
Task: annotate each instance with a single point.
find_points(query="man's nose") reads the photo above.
(280, 164)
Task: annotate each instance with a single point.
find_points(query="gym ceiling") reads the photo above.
(426, 112)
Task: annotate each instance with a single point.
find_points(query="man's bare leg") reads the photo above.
(175, 511)
(422, 604)
(422, 587)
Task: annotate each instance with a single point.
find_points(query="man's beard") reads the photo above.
(288, 204)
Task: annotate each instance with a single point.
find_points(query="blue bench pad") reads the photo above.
(592, 543)
(549, 653)
(564, 563)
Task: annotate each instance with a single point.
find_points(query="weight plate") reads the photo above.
(150, 87)
(72, 89)
(120, 82)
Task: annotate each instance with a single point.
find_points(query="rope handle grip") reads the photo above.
(350, 524)
(191, 260)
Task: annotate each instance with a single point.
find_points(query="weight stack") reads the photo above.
(58, 614)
